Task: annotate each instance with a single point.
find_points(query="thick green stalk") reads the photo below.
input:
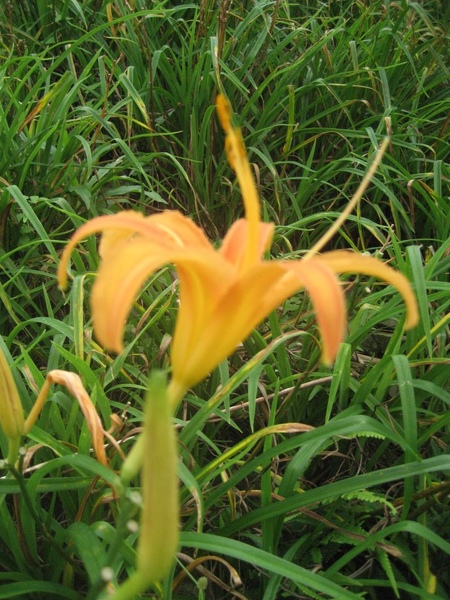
(131, 588)
(158, 539)
(155, 453)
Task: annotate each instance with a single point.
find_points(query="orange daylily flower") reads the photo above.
(225, 292)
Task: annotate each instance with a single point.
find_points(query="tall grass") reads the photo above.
(110, 106)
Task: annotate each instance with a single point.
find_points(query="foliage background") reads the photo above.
(110, 106)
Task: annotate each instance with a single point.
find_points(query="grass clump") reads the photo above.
(106, 107)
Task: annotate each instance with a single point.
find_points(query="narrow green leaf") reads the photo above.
(264, 560)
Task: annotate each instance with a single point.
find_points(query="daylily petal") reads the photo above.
(75, 386)
(328, 301)
(343, 261)
(170, 229)
(204, 280)
(250, 300)
(181, 229)
(121, 276)
(237, 157)
(235, 241)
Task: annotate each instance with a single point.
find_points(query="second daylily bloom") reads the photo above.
(225, 292)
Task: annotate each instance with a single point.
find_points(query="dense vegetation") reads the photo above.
(110, 106)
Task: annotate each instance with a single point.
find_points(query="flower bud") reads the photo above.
(158, 538)
(11, 410)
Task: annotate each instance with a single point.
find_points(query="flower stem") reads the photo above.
(131, 588)
(13, 451)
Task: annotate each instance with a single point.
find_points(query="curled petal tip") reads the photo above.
(412, 317)
(111, 341)
(342, 261)
(61, 275)
(117, 348)
(327, 358)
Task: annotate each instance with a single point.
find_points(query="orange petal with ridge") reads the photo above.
(250, 300)
(170, 229)
(203, 276)
(343, 261)
(235, 241)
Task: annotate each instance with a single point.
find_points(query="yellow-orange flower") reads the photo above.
(225, 292)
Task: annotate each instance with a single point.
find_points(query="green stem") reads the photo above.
(133, 461)
(131, 588)
(126, 512)
(13, 450)
(175, 393)
(39, 518)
